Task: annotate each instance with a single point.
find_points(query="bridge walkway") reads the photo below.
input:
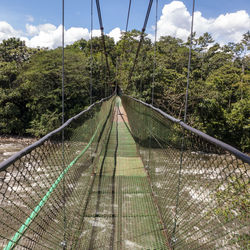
(120, 213)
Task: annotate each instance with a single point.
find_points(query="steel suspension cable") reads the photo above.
(155, 49)
(189, 62)
(153, 83)
(129, 7)
(141, 39)
(153, 80)
(91, 66)
(63, 243)
(174, 240)
(91, 52)
(102, 34)
(126, 30)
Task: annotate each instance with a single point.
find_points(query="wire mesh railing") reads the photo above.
(200, 184)
(44, 189)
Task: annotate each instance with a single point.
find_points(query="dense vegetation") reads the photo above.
(219, 103)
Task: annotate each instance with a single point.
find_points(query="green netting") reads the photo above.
(100, 199)
(201, 189)
(121, 213)
(42, 193)
(126, 180)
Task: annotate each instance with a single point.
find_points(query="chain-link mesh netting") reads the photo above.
(192, 192)
(104, 205)
(201, 185)
(44, 190)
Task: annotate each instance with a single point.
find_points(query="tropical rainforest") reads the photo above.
(219, 90)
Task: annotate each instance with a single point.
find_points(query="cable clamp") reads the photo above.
(173, 241)
(63, 244)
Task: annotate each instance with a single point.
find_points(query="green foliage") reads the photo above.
(12, 112)
(233, 201)
(14, 49)
(41, 80)
(44, 123)
(30, 82)
(8, 74)
(30, 91)
(238, 124)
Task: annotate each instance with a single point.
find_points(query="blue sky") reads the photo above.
(20, 13)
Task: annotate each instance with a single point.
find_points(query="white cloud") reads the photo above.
(96, 33)
(74, 34)
(230, 27)
(116, 34)
(47, 35)
(175, 21)
(31, 30)
(35, 30)
(7, 31)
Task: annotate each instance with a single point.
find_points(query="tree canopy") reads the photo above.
(219, 103)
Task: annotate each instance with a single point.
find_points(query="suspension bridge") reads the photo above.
(123, 174)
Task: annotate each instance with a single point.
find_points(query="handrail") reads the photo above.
(208, 138)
